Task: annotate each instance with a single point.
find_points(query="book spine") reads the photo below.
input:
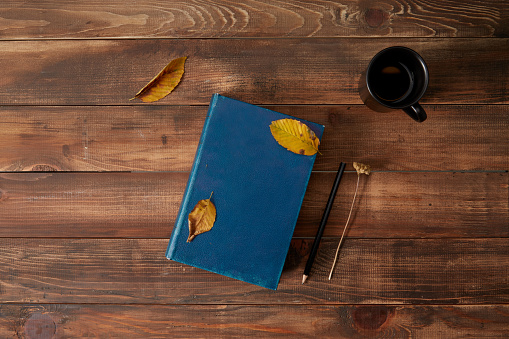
(180, 223)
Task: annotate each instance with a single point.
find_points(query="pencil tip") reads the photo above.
(304, 277)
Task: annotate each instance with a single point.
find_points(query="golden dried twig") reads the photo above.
(361, 169)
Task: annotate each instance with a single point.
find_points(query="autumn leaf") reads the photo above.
(164, 82)
(295, 136)
(202, 218)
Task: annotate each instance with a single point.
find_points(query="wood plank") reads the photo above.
(260, 71)
(165, 138)
(369, 271)
(225, 321)
(90, 19)
(401, 205)
(90, 204)
(100, 138)
(145, 205)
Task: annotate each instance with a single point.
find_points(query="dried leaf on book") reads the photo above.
(163, 83)
(202, 218)
(295, 136)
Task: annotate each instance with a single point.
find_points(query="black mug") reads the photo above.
(396, 78)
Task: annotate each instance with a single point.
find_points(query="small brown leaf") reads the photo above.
(164, 82)
(202, 218)
(295, 136)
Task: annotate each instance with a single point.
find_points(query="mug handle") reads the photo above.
(416, 112)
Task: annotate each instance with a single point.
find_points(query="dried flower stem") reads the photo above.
(361, 169)
(346, 225)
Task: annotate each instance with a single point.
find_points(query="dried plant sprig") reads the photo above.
(361, 169)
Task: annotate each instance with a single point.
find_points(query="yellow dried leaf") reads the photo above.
(164, 82)
(202, 218)
(295, 136)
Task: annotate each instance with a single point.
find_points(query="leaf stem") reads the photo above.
(346, 225)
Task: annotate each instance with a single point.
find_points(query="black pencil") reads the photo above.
(325, 216)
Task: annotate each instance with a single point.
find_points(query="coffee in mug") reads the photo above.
(396, 78)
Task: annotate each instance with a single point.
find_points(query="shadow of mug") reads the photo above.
(396, 78)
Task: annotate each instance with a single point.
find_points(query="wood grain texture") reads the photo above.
(177, 19)
(82, 237)
(369, 271)
(226, 321)
(165, 138)
(77, 204)
(259, 71)
(145, 205)
(92, 138)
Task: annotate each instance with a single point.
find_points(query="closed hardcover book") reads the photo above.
(258, 187)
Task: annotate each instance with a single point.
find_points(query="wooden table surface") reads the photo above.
(90, 182)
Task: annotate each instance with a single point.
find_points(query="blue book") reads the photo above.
(258, 187)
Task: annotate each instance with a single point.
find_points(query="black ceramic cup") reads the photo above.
(396, 78)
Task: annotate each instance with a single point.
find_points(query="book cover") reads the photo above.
(258, 187)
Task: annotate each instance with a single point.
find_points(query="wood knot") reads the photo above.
(298, 250)
(333, 118)
(66, 150)
(40, 326)
(43, 168)
(370, 318)
(375, 18)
